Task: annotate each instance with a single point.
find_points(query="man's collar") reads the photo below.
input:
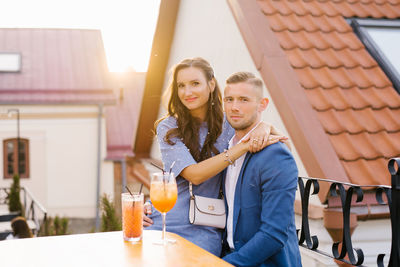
(232, 143)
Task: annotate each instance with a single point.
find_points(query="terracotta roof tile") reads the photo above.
(366, 77)
(375, 9)
(389, 118)
(342, 77)
(281, 7)
(309, 23)
(339, 99)
(332, 124)
(357, 9)
(312, 78)
(392, 2)
(350, 147)
(361, 9)
(390, 12)
(352, 97)
(329, 8)
(382, 96)
(319, 40)
(323, 99)
(299, 8)
(388, 9)
(318, 10)
(330, 58)
(373, 172)
(356, 121)
(353, 147)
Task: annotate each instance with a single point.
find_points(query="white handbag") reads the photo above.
(206, 211)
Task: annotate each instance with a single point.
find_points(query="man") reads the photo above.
(259, 188)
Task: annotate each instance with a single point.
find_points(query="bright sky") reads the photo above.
(127, 26)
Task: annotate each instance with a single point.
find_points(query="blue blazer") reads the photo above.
(264, 231)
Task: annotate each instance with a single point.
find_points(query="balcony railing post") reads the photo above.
(395, 212)
(311, 241)
(337, 189)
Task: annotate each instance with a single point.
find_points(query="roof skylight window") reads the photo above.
(382, 40)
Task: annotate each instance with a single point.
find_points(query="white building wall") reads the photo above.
(207, 29)
(374, 238)
(63, 157)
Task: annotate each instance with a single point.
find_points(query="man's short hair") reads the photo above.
(246, 77)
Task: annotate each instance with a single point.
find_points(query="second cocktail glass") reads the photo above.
(132, 216)
(163, 195)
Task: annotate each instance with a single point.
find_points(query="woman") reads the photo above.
(20, 229)
(193, 135)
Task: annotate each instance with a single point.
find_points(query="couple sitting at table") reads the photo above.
(259, 188)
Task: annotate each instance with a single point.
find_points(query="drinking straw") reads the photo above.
(158, 167)
(141, 187)
(133, 203)
(172, 165)
(128, 190)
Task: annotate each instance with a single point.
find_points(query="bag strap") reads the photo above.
(221, 194)
(191, 190)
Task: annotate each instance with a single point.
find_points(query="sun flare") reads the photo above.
(127, 26)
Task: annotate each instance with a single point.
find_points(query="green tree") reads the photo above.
(14, 201)
(109, 219)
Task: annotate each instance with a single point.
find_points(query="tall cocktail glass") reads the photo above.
(163, 195)
(132, 216)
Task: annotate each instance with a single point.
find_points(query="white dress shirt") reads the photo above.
(232, 175)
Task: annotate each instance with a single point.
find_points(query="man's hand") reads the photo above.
(147, 211)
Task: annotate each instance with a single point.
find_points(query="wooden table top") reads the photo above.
(104, 249)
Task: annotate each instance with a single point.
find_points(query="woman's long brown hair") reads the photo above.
(188, 126)
(20, 227)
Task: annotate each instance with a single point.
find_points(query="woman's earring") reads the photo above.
(211, 99)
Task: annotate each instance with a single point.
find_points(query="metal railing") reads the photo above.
(343, 251)
(33, 210)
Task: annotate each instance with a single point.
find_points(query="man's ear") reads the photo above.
(263, 104)
(212, 84)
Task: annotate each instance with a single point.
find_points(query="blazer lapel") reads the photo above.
(236, 210)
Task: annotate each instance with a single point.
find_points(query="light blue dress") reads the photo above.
(177, 219)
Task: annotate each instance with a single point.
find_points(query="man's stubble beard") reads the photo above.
(246, 124)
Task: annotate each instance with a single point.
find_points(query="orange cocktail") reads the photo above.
(132, 216)
(163, 195)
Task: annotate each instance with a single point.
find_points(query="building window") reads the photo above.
(14, 161)
(382, 40)
(10, 62)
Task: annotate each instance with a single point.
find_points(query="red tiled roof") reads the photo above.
(58, 66)
(352, 97)
(122, 119)
(47, 96)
